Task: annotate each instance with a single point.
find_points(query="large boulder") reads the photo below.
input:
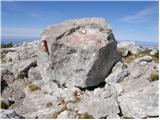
(81, 52)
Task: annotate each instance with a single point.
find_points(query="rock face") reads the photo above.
(141, 103)
(81, 52)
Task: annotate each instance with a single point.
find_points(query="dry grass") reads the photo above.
(49, 104)
(34, 87)
(85, 116)
(154, 76)
(2, 61)
(140, 54)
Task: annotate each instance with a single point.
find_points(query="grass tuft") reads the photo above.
(34, 87)
(49, 104)
(154, 76)
(85, 116)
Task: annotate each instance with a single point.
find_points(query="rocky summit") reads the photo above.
(77, 70)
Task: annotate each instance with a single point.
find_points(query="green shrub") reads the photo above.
(154, 76)
(4, 105)
(34, 87)
(8, 45)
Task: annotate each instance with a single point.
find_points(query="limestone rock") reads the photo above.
(22, 67)
(129, 46)
(81, 52)
(22, 53)
(10, 114)
(34, 74)
(98, 107)
(119, 72)
(141, 103)
(140, 73)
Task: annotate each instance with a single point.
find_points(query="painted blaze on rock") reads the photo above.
(82, 52)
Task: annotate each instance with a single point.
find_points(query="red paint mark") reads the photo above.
(84, 41)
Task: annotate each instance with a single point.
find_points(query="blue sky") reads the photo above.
(137, 21)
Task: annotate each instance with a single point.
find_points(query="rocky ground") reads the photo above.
(80, 73)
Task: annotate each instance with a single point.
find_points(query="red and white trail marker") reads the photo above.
(83, 31)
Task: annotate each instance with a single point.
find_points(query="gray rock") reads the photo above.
(140, 73)
(22, 67)
(34, 74)
(10, 114)
(98, 107)
(119, 72)
(128, 46)
(141, 103)
(22, 53)
(145, 59)
(77, 58)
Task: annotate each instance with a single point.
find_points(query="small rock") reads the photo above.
(119, 72)
(10, 114)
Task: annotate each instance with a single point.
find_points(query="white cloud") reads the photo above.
(141, 15)
(21, 32)
(37, 16)
(12, 5)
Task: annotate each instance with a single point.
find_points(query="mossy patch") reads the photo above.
(85, 116)
(4, 105)
(154, 76)
(34, 87)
